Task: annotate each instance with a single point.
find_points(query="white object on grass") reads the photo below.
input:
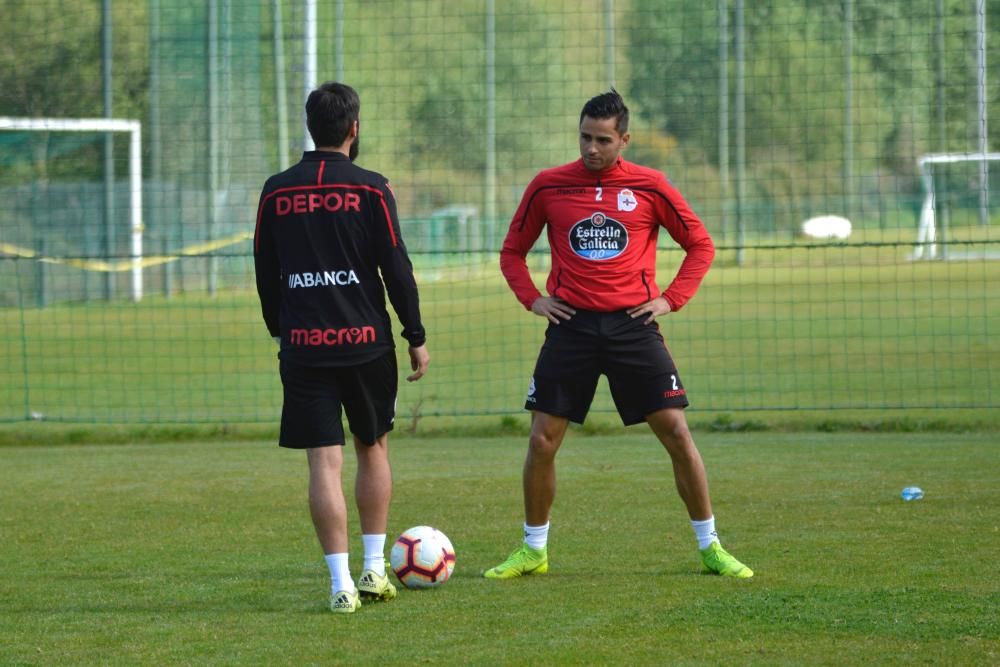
(827, 227)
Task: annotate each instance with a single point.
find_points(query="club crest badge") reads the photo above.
(627, 200)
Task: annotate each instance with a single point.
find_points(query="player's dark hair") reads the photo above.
(608, 105)
(330, 112)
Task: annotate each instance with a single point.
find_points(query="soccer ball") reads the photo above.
(422, 557)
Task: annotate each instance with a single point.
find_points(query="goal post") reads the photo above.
(927, 230)
(134, 130)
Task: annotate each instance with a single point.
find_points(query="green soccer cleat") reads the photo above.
(524, 560)
(719, 561)
(345, 602)
(376, 586)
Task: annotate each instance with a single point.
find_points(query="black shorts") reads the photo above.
(314, 395)
(631, 354)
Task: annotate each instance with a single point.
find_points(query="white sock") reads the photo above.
(536, 537)
(705, 532)
(340, 575)
(374, 553)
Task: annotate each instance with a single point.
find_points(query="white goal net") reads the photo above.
(937, 181)
(134, 129)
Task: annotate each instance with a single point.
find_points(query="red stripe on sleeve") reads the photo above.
(388, 221)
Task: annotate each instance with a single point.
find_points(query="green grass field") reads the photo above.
(203, 553)
(823, 328)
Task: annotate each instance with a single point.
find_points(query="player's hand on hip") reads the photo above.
(420, 358)
(552, 308)
(651, 309)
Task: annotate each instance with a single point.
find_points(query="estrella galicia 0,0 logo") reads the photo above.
(598, 237)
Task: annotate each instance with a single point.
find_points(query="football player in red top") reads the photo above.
(603, 215)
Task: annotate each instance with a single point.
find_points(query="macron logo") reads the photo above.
(329, 337)
(322, 279)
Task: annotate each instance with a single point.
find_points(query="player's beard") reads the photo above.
(352, 152)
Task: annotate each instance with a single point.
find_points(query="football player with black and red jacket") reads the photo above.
(327, 248)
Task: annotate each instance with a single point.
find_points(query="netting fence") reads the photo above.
(765, 115)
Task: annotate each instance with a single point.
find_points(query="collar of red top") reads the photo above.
(603, 172)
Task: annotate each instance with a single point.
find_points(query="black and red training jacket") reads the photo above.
(327, 248)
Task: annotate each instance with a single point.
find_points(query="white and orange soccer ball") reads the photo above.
(422, 557)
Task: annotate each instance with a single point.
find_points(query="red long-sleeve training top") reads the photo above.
(602, 231)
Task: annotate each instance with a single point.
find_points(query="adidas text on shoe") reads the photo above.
(523, 561)
(345, 602)
(374, 586)
(719, 561)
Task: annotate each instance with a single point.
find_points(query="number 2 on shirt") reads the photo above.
(600, 193)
